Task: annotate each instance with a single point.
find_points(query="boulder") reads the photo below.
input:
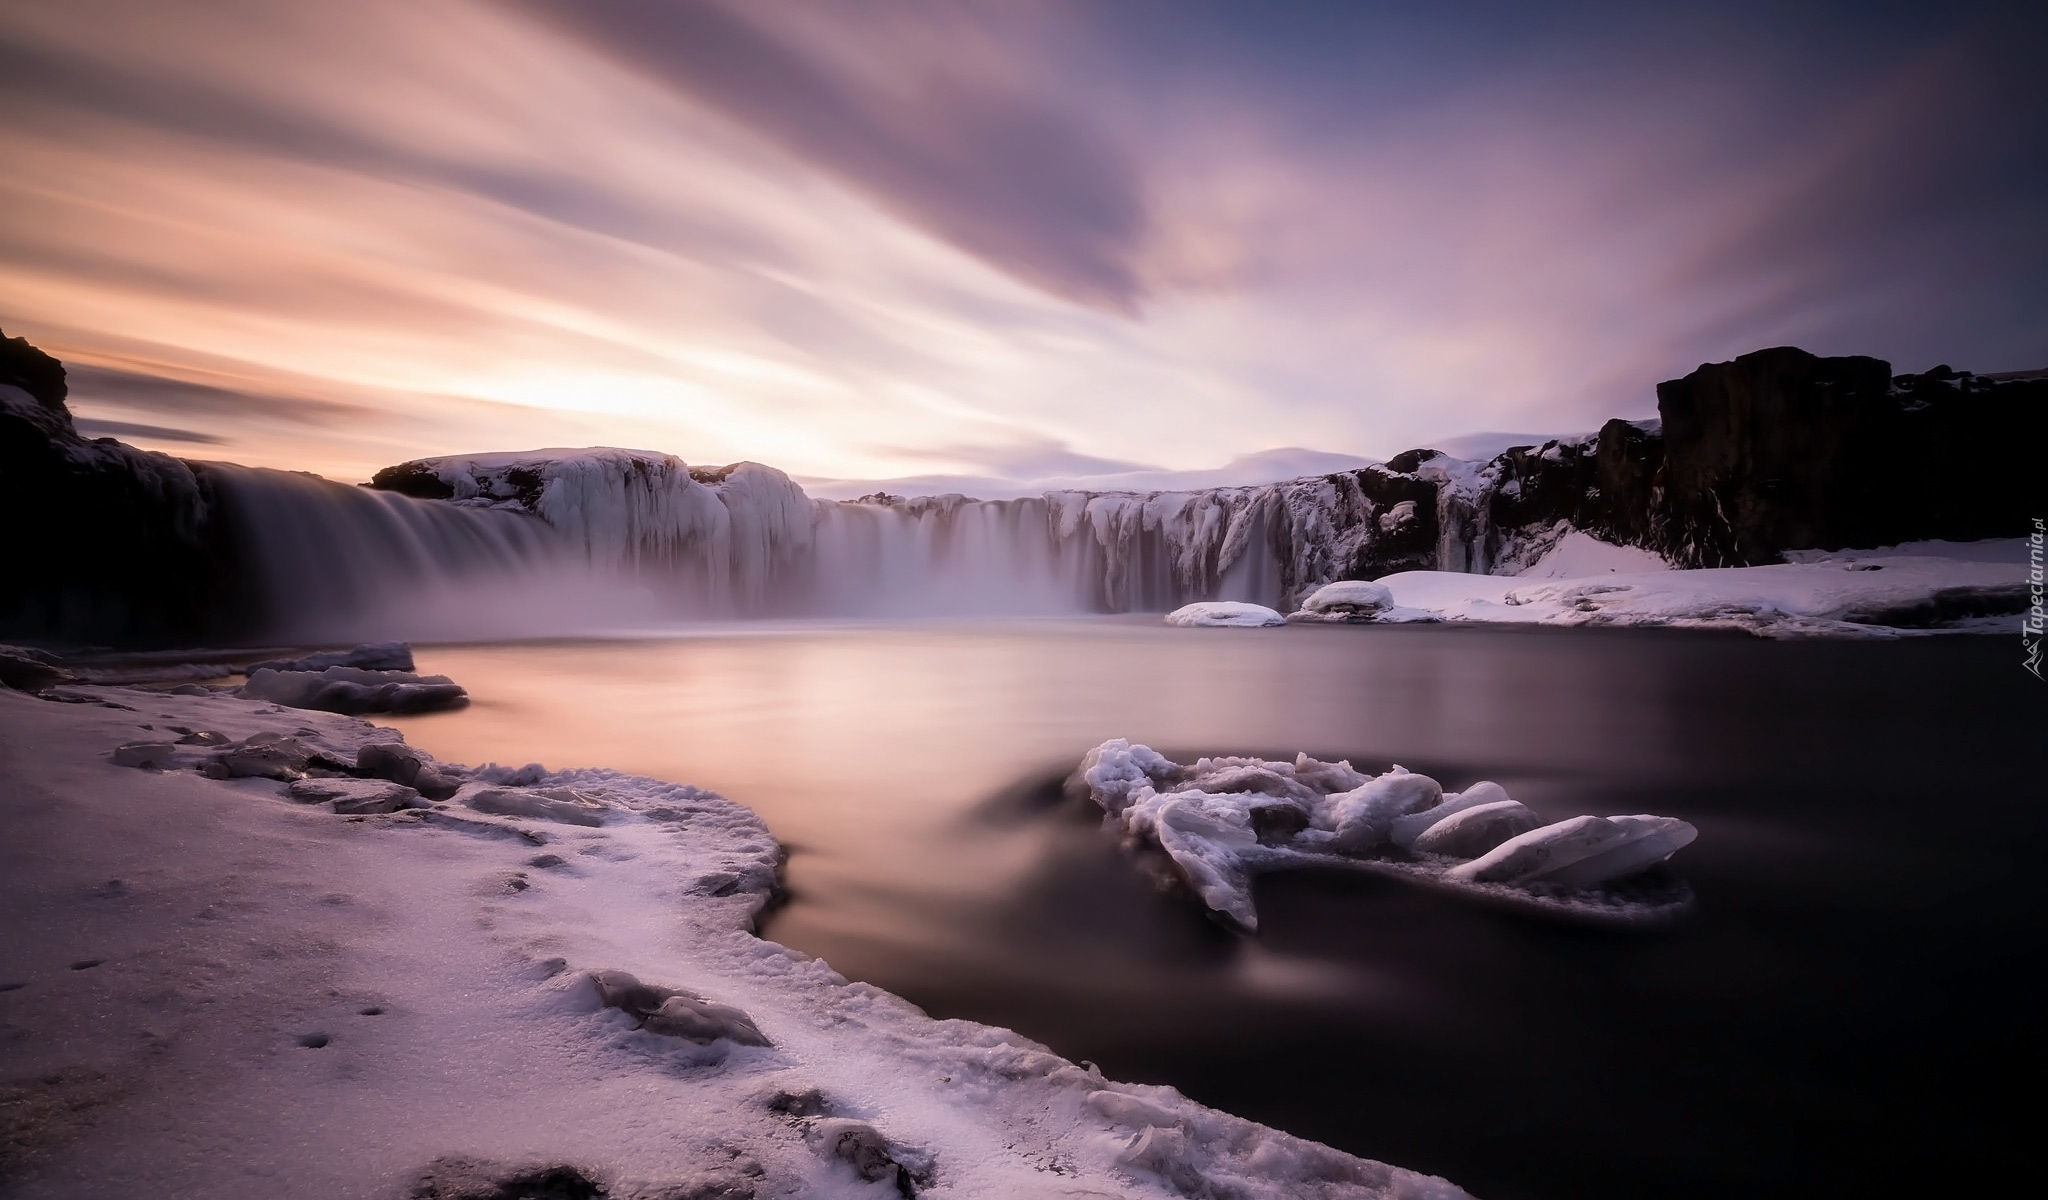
(566, 806)
(673, 1012)
(374, 656)
(354, 691)
(155, 755)
(873, 1156)
(1357, 598)
(401, 763)
(355, 797)
(262, 756)
(30, 670)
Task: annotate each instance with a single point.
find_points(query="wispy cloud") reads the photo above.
(1047, 239)
(135, 431)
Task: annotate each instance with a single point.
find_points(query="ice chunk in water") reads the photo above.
(1407, 828)
(1471, 832)
(1365, 815)
(1221, 820)
(1581, 852)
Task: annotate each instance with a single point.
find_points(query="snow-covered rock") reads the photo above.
(1221, 821)
(1233, 614)
(353, 690)
(374, 656)
(1345, 600)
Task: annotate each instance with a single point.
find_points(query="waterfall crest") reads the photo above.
(562, 541)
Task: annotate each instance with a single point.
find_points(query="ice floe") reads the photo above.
(1221, 821)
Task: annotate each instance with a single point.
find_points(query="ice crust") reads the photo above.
(423, 986)
(1220, 821)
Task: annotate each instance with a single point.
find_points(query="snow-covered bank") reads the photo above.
(214, 988)
(1222, 821)
(1885, 593)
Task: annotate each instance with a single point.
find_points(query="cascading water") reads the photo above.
(331, 562)
(566, 541)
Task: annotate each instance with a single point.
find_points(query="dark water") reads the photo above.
(1854, 1010)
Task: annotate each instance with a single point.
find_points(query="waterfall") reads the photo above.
(568, 541)
(329, 562)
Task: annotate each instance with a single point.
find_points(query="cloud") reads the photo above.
(857, 238)
(1017, 180)
(1029, 458)
(94, 428)
(121, 388)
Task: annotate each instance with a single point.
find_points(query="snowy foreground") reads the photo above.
(1221, 821)
(340, 986)
(1852, 593)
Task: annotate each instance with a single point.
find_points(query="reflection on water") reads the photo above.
(1840, 1016)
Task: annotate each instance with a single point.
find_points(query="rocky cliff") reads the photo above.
(1783, 450)
(101, 542)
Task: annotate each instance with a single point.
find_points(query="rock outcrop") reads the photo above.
(101, 542)
(1784, 450)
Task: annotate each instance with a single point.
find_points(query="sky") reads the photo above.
(1006, 241)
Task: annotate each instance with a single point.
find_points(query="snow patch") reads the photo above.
(1851, 595)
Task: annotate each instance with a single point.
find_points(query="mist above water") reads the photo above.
(337, 563)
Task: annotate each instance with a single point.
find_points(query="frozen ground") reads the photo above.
(209, 988)
(1870, 593)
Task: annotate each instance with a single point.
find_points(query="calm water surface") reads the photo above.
(1849, 1013)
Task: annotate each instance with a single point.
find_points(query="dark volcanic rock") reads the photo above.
(374, 656)
(103, 542)
(415, 479)
(29, 670)
(1782, 450)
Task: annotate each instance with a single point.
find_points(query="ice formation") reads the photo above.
(558, 541)
(498, 1000)
(1232, 614)
(1220, 821)
(726, 535)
